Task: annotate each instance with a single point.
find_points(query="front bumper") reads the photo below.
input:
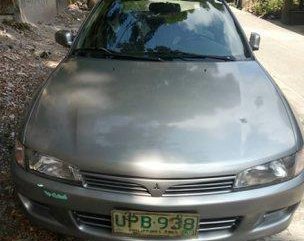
(263, 211)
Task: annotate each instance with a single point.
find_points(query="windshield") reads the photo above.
(162, 28)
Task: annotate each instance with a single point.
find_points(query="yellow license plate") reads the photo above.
(137, 223)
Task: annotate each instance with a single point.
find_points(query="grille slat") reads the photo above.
(205, 225)
(92, 217)
(197, 189)
(203, 184)
(204, 187)
(231, 221)
(214, 228)
(94, 179)
(94, 224)
(100, 182)
(113, 186)
(171, 194)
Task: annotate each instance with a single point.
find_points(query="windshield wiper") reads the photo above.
(103, 52)
(89, 51)
(147, 56)
(186, 56)
(222, 58)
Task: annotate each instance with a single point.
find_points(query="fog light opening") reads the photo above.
(278, 215)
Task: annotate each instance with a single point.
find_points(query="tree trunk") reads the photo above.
(91, 3)
(239, 4)
(7, 6)
(288, 4)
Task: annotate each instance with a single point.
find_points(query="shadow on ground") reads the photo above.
(295, 28)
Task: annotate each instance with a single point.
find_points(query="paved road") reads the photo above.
(282, 54)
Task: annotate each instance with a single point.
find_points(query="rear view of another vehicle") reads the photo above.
(160, 124)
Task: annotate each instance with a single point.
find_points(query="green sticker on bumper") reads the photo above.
(55, 195)
(51, 194)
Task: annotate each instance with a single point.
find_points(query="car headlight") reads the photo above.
(53, 167)
(271, 173)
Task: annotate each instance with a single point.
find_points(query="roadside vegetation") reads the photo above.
(267, 7)
(270, 8)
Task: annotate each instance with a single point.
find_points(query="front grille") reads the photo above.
(93, 220)
(203, 187)
(169, 187)
(103, 182)
(206, 225)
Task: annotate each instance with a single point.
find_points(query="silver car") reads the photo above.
(160, 124)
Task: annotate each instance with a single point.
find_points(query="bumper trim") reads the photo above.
(252, 205)
(205, 225)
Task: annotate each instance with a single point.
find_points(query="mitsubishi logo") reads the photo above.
(156, 190)
(156, 187)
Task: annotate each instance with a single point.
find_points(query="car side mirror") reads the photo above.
(254, 41)
(64, 38)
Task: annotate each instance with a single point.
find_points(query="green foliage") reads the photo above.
(267, 7)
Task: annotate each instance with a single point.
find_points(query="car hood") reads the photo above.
(160, 119)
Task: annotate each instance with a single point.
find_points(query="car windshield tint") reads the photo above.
(162, 28)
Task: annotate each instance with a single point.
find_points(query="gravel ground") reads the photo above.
(28, 54)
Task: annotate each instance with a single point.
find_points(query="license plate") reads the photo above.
(137, 223)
